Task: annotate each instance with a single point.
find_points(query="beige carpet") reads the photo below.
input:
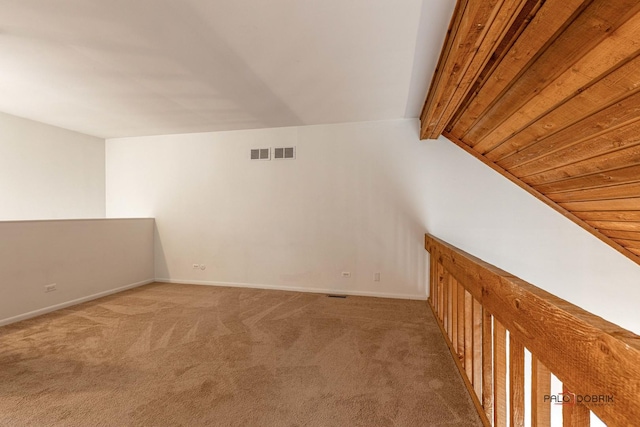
(183, 355)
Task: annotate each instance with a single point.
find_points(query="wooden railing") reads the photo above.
(477, 305)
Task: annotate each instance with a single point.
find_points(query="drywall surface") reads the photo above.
(48, 172)
(476, 209)
(352, 201)
(83, 258)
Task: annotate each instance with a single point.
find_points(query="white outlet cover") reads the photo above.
(346, 274)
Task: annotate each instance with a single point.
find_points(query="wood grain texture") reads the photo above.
(583, 34)
(438, 81)
(477, 348)
(575, 414)
(607, 55)
(635, 244)
(487, 363)
(468, 335)
(628, 204)
(454, 314)
(498, 16)
(516, 382)
(612, 160)
(461, 322)
(499, 374)
(609, 178)
(548, 94)
(450, 308)
(610, 215)
(466, 31)
(616, 192)
(614, 225)
(592, 356)
(609, 89)
(549, 20)
(617, 234)
(540, 387)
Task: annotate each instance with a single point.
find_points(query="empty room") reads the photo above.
(319, 213)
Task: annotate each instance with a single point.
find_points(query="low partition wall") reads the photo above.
(491, 318)
(48, 265)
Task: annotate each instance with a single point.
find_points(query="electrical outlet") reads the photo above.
(196, 266)
(50, 288)
(376, 277)
(346, 274)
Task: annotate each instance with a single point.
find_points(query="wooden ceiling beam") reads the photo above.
(601, 179)
(610, 118)
(612, 51)
(583, 150)
(611, 88)
(616, 192)
(547, 93)
(476, 30)
(549, 20)
(581, 36)
(609, 215)
(610, 161)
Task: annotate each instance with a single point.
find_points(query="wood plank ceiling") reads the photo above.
(548, 94)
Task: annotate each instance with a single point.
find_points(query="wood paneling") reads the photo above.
(548, 94)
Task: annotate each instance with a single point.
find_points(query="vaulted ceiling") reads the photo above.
(145, 67)
(548, 94)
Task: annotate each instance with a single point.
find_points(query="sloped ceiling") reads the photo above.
(146, 67)
(548, 94)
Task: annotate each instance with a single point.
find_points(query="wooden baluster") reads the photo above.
(445, 302)
(487, 364)
(516, 382)
(441, 282)
(460, 345)
(441, 275)
(468, 335)
(432, 280)
(499, 374)
(575, 414)
(540, 387)
(477, 349)
(450, 309)
(453, 336)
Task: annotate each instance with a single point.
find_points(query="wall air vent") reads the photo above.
(284, 153)
(260, 154)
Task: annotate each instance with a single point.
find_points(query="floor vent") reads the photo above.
(260, 154)
(282, 153)
(336, 296)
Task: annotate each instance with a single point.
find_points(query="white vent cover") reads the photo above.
(284, 153)
(260, 154)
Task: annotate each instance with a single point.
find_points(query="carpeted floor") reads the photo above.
(183, 355)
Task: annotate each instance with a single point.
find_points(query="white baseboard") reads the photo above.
(72, 302)
(296, 289)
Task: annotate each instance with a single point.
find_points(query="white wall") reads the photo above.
(353, 200)
(476, 209)
(48, 172)
(84, 258)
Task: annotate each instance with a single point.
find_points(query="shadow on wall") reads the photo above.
(159, 257)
